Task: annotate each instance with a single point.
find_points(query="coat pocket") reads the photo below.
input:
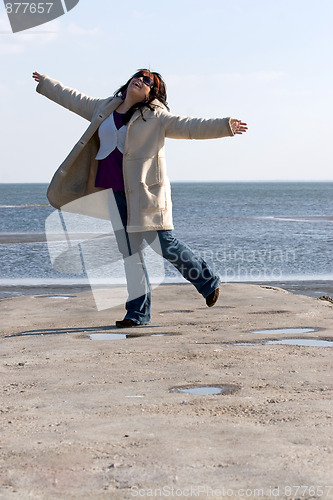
(152, 197)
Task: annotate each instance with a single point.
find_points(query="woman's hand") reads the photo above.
(237, 126)
(36, 76)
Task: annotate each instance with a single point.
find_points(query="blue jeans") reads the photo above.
(193, 268)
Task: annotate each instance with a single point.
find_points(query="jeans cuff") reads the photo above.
(209, 287)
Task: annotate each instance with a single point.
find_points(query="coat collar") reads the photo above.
(155, 103)
(111, 105)
(114, 102)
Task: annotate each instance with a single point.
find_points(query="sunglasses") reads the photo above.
(146, 79)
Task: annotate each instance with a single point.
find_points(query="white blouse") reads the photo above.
(110, 138)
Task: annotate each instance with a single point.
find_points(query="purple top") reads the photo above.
(110, 169)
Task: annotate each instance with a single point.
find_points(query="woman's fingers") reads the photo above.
(36, 76)
(237, 126)
(242, 127)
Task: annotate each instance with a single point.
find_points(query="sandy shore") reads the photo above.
(88, 419)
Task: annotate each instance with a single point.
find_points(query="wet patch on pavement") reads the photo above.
(119, 336)
(284, 331)
(204, 390)
(304, 342)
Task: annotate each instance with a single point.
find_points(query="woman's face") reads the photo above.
(139, 87)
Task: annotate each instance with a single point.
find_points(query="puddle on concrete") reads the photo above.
(118, 336)
(59, 297)
(63, 297)
(299, 342)
(206, 389)
(303, 342)
(294, 331)
(177, 311)
(282, 311)
(107, 336)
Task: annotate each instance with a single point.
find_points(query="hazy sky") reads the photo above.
(268, 62)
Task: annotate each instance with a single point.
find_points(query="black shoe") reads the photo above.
(128, 323)
(212, 298)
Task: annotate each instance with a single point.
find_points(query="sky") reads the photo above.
(267, 62)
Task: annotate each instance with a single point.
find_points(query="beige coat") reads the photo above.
(147, 186)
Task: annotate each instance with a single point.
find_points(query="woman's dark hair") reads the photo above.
(158, 91)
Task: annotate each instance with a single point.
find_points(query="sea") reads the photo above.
(273, 233)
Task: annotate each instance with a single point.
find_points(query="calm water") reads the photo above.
(257, 232)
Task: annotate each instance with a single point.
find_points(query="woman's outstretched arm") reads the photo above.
(180, 127)
(69, 98)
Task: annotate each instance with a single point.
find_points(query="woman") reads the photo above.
(123, 150)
